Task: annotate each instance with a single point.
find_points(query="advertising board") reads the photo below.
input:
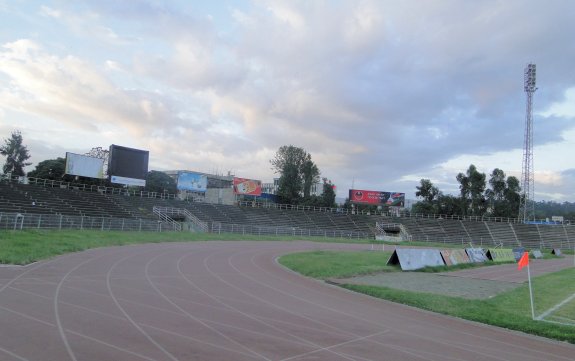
(395, 199)
(194, 182)
(84, 166)
(246, 186)
(128, 165)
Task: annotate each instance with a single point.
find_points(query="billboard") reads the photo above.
(84, 166)
(194, 182)
(249, 187)
(128, 165)
(395, 199)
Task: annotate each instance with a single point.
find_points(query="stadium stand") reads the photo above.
(120, 205)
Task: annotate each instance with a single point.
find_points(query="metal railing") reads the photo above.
(197, 224)
(164, 217)
(50, 183)
(143, 194)
(390, 214)
(20, 221)
(218, 227)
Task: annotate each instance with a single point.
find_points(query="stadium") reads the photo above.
(190, 239)
(213, 204)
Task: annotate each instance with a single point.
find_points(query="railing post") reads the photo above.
(60, 226)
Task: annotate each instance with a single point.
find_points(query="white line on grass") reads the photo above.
(555, 308)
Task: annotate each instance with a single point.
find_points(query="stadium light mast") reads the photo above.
(527, 202)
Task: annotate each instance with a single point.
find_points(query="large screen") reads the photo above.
(84, 166)
(395, 199)
(194, 182)
(128, 165)
(246, 186)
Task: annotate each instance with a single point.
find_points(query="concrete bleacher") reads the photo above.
(528, 235)
(36, 199)
(503, 232)
(479, 232)
(68, 200)
(484, 233)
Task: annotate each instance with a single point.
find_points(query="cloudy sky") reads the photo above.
(381, 93)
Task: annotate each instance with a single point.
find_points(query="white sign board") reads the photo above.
(84, 166)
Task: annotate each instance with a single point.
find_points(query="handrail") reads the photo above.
(201, 225)
(164, 217)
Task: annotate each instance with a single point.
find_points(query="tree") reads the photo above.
(449, 205)
(430, 195)
(512, 195)
(310, 175)
(49, 169)
(160, 182)
(328, 195)
(297, 173)
(16, 154)
(503, 196)
(472, 187)
(290, 186)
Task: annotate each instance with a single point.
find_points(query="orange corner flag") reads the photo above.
(524, 261)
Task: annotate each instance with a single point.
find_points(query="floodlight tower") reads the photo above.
(527, 202)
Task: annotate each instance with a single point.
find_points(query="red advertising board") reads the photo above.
(248, 187)
(395, 199)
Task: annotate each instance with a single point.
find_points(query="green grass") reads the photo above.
(510, 309)
(24, 247)
(329, 264)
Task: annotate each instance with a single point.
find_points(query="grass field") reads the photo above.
(24, 247)
(510, 309)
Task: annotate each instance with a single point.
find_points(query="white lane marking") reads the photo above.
(146, 271)
(134, 323)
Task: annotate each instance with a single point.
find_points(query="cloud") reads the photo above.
(380, 92)
(72, 91)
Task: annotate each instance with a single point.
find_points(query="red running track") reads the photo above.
(225, 301)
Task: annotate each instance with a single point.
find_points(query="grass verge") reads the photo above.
(24, 247)
(329, 264)
(510, 309)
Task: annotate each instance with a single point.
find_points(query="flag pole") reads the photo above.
(530, 292)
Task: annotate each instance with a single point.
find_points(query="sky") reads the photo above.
(380, 93)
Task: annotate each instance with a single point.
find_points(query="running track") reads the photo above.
(224, 301)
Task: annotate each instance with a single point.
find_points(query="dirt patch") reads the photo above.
(433, 283)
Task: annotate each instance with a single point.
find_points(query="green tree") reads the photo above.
(503, 195)
(49, 169)
(496, 194)
(160, 182)
(512, 196)
(297, 173)
(449, 205)
(472, 187)
(16, 154)
(290, 185)
(328, 195)
(430, 196)
(310, 175)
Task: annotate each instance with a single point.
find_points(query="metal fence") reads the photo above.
(489, 242)
(217, 227)
(19, 221)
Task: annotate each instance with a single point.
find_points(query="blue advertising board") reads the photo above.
(194, 182)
